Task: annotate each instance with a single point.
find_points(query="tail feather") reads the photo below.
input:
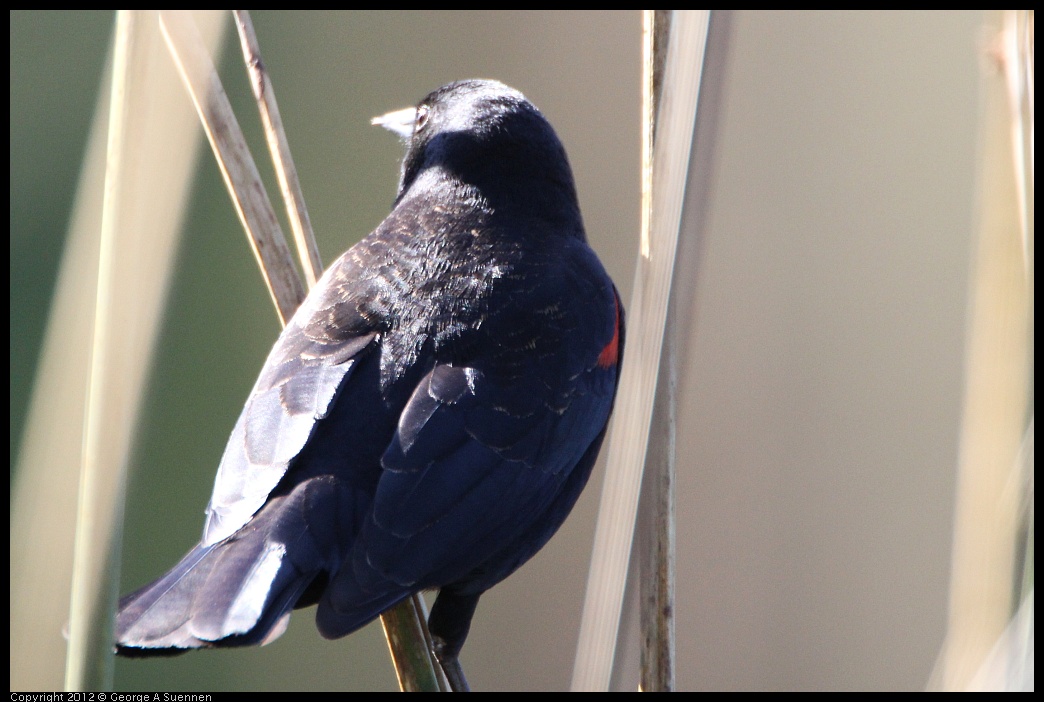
(240, 591)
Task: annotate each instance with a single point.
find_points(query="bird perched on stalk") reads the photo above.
(428, 417)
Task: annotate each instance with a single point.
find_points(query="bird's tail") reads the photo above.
(239, 591)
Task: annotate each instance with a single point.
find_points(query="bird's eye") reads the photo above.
(422, 118)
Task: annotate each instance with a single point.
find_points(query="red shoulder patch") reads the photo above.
(610, 355)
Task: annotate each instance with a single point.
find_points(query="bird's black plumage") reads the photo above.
(430, 414)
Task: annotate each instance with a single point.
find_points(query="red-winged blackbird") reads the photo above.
(430, 414)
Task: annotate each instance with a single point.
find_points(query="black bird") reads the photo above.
(430, 414)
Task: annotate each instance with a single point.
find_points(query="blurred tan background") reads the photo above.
(820, 400)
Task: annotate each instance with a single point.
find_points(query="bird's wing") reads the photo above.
(313, 358)
(475, 470)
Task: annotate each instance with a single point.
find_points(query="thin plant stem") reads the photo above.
(405, 626)
(279, 147)
(235, 161)
(89, 665)
(647, 313)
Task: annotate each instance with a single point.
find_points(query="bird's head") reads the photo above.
(486, 135)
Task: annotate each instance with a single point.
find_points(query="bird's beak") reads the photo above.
(401, 121)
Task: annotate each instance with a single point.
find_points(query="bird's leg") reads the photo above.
(451, 667)
(448, 623)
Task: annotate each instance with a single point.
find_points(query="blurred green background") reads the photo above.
(820, 402)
